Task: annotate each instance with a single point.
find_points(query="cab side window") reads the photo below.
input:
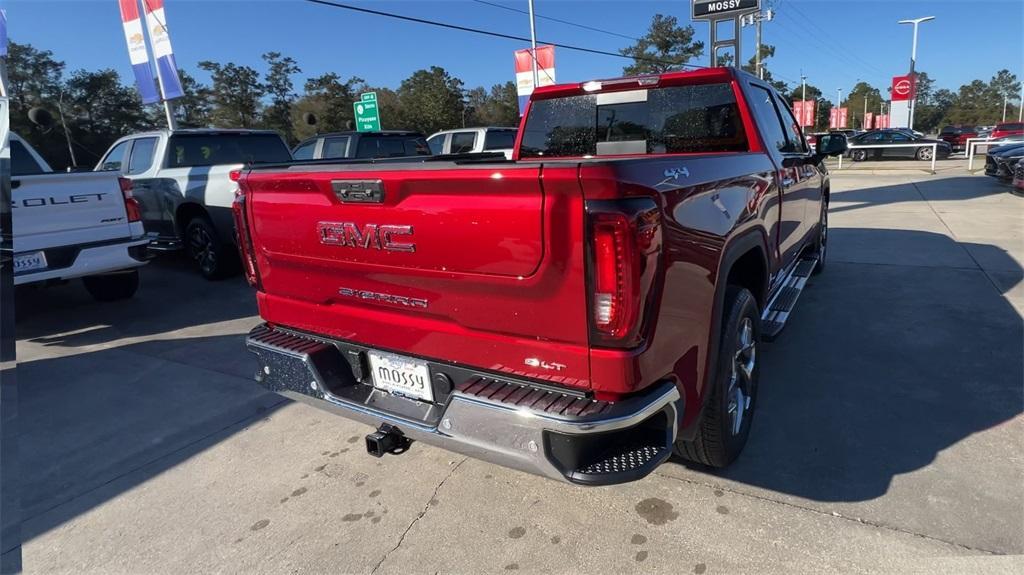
(773, 132)
(141, 159)
(796, 143)
(114, 161)
(305, 151)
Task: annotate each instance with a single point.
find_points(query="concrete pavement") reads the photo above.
(889, 436)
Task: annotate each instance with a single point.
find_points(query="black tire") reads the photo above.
(859, 155)
(924, 154)
(112, 287)
(822, 241)
(720, 439)
(214, 258)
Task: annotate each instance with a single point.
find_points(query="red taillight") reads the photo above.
(235, 175)
(625, 245)
(614, 265)
(244, 236)
(131, 205)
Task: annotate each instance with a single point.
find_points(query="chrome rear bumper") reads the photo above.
(547, 431)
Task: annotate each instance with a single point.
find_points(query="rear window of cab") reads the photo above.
(671, 120)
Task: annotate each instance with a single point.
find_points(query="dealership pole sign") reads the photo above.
(903, 92)
(715, 11)
(721, 9)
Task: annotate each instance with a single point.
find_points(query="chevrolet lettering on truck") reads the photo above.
(581, 311)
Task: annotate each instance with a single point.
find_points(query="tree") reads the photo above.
(976, 103)
(430, 100)
(924, 88)
(499, 107)
(278, 84)
(822, 107)
(767, 51)
(100, 109)
(862, 97)
(1006, 86)
(932, 109)
(330, 100)
(35, 79)
(665, 47)
(236, 94)
(193, 110)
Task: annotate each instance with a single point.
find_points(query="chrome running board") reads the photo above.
(781, 305)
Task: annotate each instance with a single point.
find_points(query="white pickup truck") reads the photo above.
(74, 225)
(182, 181)
(473, 141)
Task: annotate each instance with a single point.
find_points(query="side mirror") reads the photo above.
(830, 144)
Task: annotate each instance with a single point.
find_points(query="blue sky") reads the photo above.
(833, 42)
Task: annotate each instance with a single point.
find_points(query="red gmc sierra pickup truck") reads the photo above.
(581, 311)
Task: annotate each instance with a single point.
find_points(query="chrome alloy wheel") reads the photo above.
(741, 380)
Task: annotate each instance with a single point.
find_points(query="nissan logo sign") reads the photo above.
(902, 87)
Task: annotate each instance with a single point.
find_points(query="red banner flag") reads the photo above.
(868, 121)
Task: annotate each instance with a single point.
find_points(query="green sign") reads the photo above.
(366, 112)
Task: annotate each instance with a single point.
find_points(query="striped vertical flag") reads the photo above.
(3, 32)
(156, 23)
(524, 72)
(137, 52)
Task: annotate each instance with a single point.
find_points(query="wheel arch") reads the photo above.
(185, 212)
(745, 261)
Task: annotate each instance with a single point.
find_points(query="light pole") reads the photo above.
(913, 61)
(533, 46)
(839, 106)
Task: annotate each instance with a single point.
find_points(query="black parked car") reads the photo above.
(892, 137)
(1001, 161)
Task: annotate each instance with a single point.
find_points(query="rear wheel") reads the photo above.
(859, 155)
(725, 420)
(214, 258)
(924, 154)
(112, 287)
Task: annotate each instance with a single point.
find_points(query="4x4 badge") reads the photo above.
(674, 173)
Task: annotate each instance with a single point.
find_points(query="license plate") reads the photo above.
(29, 262)
(401, 375)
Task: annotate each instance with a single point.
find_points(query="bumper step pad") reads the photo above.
(624, 459)
(553, 401)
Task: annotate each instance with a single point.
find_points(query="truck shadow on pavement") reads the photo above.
(171, 296)
(95, 425)
(936, 190)
(884, 366)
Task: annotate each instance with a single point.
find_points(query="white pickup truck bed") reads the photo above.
(71, 225)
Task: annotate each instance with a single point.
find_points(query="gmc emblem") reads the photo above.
(369, 236)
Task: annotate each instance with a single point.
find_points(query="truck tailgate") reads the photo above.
(474, 264)
(67, 209)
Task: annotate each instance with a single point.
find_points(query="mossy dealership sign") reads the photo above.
(720, 9)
